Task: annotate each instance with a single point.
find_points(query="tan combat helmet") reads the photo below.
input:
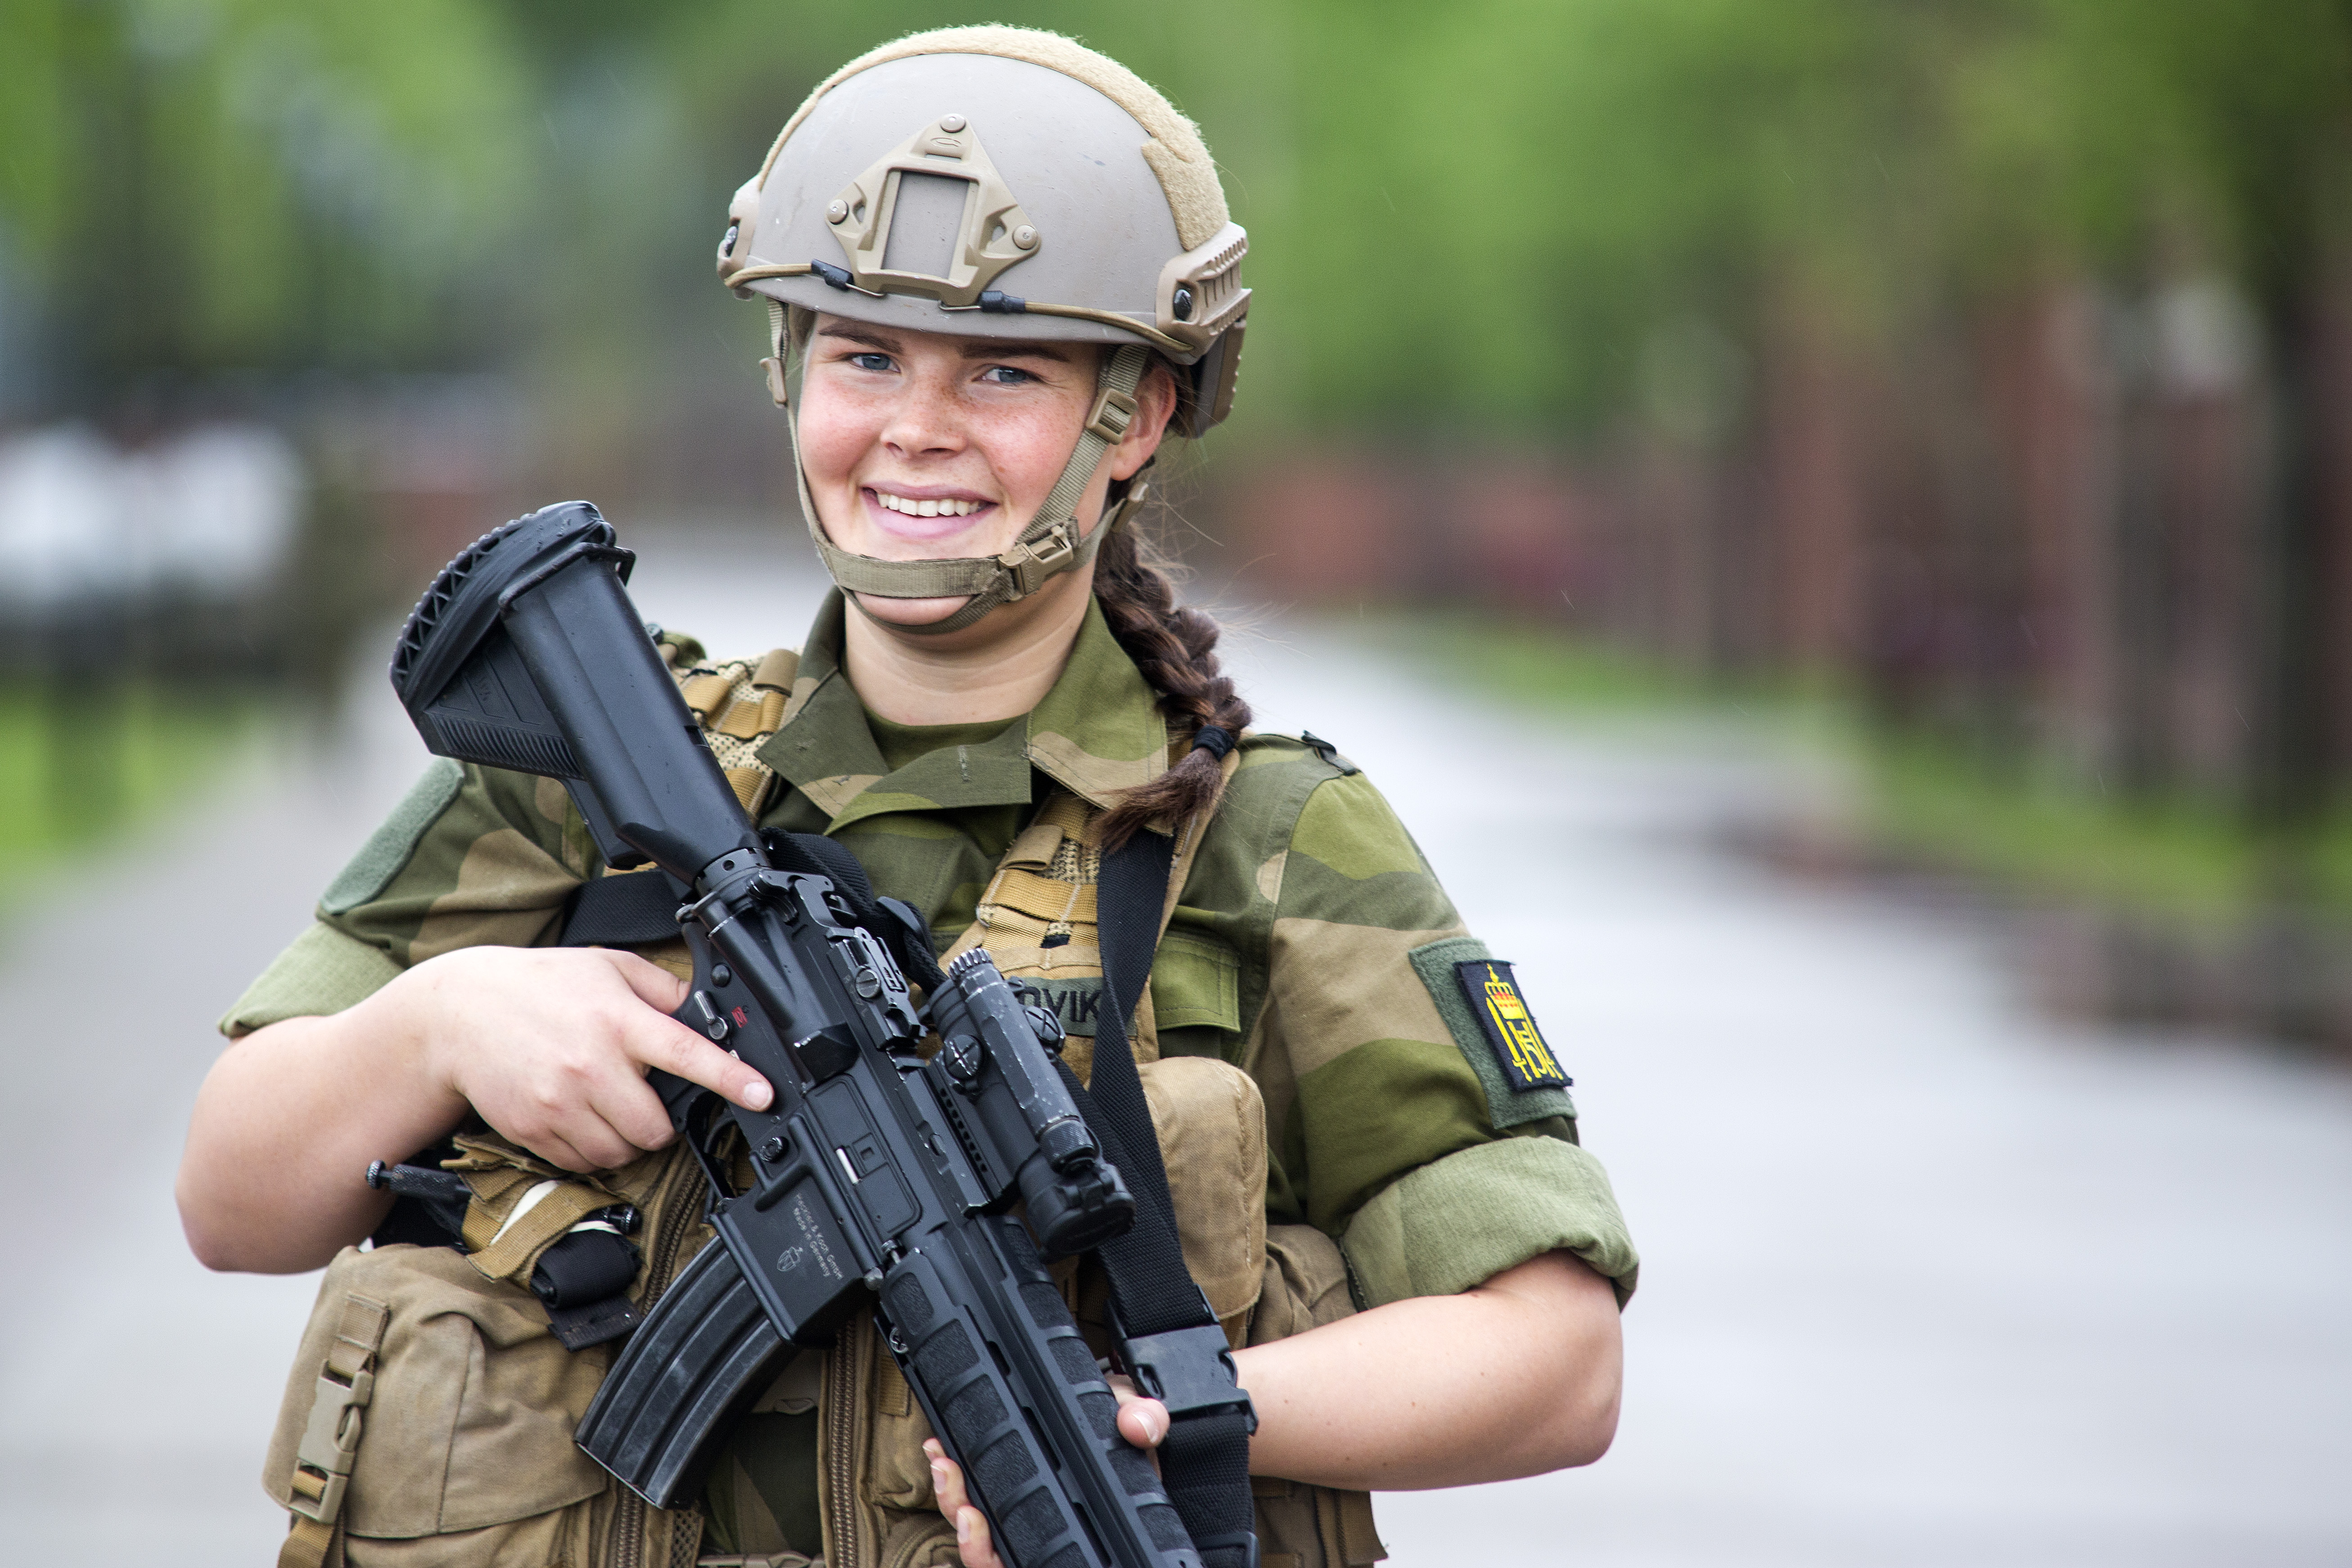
(998, 182)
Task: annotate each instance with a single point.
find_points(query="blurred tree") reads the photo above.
(1599, 227)
(194, 187)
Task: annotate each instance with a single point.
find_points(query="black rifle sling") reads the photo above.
(617, 911)
(1204, 1462)
(640, 908)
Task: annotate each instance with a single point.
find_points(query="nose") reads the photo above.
(926, 418)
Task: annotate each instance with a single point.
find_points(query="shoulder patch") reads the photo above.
(388, 848)
(1510, 1028)
(1477, 996)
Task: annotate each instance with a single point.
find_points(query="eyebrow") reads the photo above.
(1006, 348)
(857, 335)
(978, 349)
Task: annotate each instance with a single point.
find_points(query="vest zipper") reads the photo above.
(680, 1214)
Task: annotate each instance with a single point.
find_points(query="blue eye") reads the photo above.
(878, 362)
(1006, 375)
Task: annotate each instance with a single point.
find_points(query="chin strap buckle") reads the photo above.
(1033, 564)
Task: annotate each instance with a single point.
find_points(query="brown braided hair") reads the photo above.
(1175, 646)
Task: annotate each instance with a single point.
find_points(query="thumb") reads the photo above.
(1143, 1422)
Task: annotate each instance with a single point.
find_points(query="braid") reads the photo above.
(1175, 646)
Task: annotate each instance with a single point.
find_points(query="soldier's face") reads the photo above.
(923, 446)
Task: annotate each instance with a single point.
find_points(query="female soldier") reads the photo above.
(1374, 1158)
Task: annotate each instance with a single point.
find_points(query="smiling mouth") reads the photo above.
(944, 506)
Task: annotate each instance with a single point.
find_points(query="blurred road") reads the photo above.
(1929, 1280)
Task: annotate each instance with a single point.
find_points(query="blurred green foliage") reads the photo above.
(198, 185)
(78, 764)
(1522, 220)
(1505, 197)
(1473, 215)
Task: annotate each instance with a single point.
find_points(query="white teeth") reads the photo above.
(928, 507)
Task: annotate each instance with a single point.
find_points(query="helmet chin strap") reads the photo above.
(1051, 544)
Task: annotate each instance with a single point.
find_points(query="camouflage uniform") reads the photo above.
(1310, 944)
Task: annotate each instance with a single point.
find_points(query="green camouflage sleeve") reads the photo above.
(473, 856)
(1438, 1155)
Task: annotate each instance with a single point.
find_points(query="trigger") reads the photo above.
(676, 1093)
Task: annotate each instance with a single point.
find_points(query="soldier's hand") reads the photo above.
(550, 1047)
(1142, 1422)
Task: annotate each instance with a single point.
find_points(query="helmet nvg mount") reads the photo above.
(1000, 182)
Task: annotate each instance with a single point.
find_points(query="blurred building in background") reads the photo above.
(1994, 359)
(178, 552)
(1986, 362)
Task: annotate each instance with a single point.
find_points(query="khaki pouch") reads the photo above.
(463, 1453)
(428, 1418)
(1211, 1121)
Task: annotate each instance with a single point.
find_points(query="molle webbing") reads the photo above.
(740, 704)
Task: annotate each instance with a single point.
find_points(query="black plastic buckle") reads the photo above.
(1232, 1540)
(1189, 1371)
(1328, 751)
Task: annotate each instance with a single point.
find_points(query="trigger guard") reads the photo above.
(692, 1117)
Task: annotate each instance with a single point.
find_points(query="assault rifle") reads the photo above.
(881, 1181)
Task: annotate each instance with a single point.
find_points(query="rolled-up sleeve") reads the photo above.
(1396, 1129)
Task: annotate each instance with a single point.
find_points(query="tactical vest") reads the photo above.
(428, 1417)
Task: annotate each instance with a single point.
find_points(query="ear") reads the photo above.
(1155, 404)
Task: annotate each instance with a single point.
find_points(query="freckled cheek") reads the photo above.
(1026, 455)
(834, 439)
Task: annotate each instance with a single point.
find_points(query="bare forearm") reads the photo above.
(1516, 1377)
(284, 1128)
(549, 1046)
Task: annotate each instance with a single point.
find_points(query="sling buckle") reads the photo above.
(1189, 1371)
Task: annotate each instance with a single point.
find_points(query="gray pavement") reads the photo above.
(1929, 1280)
